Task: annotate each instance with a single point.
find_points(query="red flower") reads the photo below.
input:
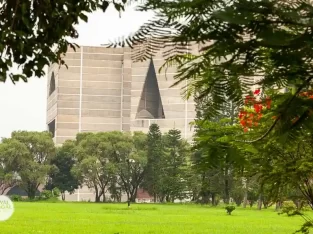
(243, 123)
(249, 122)
(268, 103)
(247, 99)
(257, 92)
(245, 129)
(241, 114)
(257, 108)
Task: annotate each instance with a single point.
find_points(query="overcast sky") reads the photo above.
(23, 106)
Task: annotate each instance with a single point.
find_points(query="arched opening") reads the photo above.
(52, 84)
(150, 104)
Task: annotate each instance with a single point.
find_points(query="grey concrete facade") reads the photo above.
(104, 90)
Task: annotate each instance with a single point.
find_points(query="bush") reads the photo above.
(290, 209)
(230, 209)
(45, 195)
(49, 194)
(56, 192)
(16, 198)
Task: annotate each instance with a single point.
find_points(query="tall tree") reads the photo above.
(30, 155)
(217, 152)
(129, 159)
(174, 165)
(155, 151)
(8, 178)
(62, 176)
(94, 167)
(286, 165)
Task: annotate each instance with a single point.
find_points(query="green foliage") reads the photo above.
(290, 209)
(51, 195)
(35, 34)
(230, 209)
(166, 172)
(93, 167)
(306, 227)
(174, 166)
(111, 161)
(16, 198)
(288, 166)
(155, 155)
(217, 157)
(28, 156)
(130, 162)
(61, 176)
(240, 45)
(45, 195)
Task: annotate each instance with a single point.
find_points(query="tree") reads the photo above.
(174, 165)
(283, 165)
(152, 182)
(93, 167)
(62, 176)
(37, 33)
(193, 181)
(217, 152)
(244, 43)
(8, 179)
(130, 159)
(29, 155)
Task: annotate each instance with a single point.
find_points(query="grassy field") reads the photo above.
(68, 218)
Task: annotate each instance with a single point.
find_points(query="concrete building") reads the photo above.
(104, 90)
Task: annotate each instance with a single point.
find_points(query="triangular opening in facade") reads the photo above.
(52, 84)
(150, 104)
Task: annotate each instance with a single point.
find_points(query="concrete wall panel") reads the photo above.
(108, 88)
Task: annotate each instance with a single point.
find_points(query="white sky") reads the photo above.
(23, 106)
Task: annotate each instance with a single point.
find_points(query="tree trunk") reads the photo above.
(128, 198)
(260, 202)
(278, 205)
(98, 194)
(213, 199)
(63, 196)
(154, 197)
(31, 190)
(245, 199)
(133, 195)
(226, 199)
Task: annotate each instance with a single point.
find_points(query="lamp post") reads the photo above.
(129, 160)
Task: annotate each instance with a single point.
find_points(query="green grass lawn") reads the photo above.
(77, 218)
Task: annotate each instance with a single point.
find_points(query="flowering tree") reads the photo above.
(256, 104)
(251, 113)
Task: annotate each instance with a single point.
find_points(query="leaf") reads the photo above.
(84, 17)
(104, 6)
(117, 6)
